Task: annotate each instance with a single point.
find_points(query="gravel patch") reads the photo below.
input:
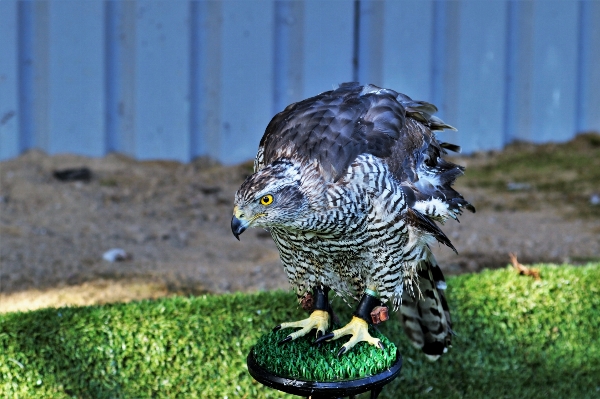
(172, 220)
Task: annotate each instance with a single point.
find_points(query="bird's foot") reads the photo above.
(318, 319)
(358, 328)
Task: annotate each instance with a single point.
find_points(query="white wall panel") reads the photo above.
(9, 75)
(288, 53)
(328, 45)
(206, 78)
(76, 78)
(588, 96)
(162, 80)
(407, 48)
(246, 77)
(120, 62)
(554, 77)
(445, 65)
(481, 75)
(180, 79)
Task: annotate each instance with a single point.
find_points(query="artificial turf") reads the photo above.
(302, 360)
(516, 337)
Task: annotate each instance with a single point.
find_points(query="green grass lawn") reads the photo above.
(516, 338)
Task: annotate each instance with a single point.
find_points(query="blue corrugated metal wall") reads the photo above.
(178, 79)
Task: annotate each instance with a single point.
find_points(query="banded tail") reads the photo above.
(424, 312)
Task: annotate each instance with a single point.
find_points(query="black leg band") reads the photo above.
(320, 299)
(366, 305)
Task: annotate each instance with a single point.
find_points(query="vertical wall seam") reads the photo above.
(110, 70)
(438, 53)
(127, 111)
(370, 47)
(582, 56)
(356, 43)
(280, 55)
(194, 71)
(295, 73)
(41, 84)
(288, 53)
(25, 74)
(211, 77)
(510, 72)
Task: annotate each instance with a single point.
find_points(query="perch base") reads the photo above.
(326, 389)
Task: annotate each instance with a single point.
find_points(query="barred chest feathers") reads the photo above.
(364, 209)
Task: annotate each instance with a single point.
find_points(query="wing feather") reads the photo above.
(336, 126)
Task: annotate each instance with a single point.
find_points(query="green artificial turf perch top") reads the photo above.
(301, 359)
(516, 338)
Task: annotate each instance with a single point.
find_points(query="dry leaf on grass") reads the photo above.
(523, 270)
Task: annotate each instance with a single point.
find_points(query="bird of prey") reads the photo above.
(350, 183)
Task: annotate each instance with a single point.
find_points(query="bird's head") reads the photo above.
(271, 197)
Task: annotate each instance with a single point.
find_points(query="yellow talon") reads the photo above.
(318, 319)
(359, 329)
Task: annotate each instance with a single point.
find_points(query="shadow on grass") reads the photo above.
(516, 337)
(176, 347)
(67, 360)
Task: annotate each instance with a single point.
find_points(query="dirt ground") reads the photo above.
(173, 221)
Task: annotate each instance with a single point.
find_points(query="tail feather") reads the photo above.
(425, 313)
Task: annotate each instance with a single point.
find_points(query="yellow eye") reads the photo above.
(267, 199)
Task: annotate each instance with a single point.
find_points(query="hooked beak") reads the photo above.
(238, 225)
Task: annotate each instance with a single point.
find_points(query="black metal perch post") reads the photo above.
(325, 390)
